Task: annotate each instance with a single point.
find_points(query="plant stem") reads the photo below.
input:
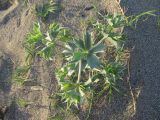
(79, 72)
(90, 107)
(129, 83)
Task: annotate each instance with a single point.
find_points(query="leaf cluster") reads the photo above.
(43, 10)
(21, 74)
(84, 50)
(85, 72)
(38, 43)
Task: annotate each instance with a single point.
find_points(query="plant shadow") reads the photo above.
(14, 113)
(144, 42)
(144, 64)
(6, 68)
(9, 110)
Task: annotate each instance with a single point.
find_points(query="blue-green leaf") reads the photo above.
(79, 43)
(93, 61)
(99, 47)
(88, 41)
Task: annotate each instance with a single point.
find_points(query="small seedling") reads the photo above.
(30, 44)
(21, 74)
(22, 102)
(106, 29)
(43, 45)
(43, 10)
(55, 34)
(108, 78)
(59, 33)
(132, 20)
